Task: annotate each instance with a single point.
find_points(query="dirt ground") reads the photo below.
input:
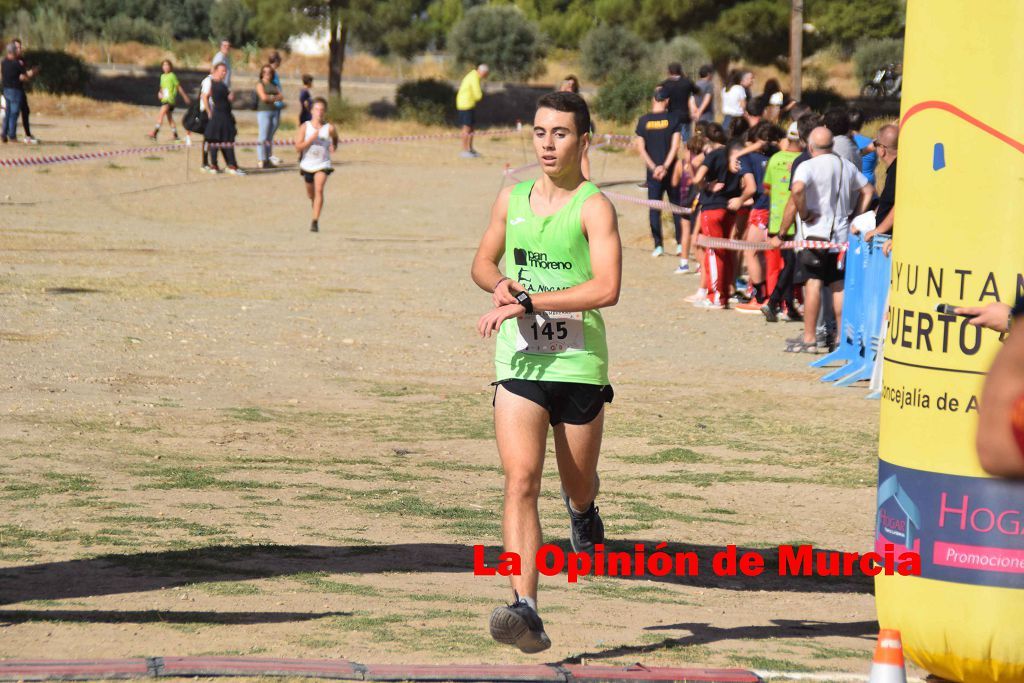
(222, 434)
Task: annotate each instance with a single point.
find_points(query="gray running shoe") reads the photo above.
(586, 530)
(519, 624)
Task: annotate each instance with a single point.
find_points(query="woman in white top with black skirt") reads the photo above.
(315, 141)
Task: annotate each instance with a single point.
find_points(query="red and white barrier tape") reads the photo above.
(18, 162)
(741, 245)
(85, 156)
(651, 203)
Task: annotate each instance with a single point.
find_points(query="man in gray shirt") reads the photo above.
(838, 122)
(705, 100)
(223, 56)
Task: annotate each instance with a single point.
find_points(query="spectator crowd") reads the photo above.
(772, 171)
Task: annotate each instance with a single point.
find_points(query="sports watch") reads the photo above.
(523, 299)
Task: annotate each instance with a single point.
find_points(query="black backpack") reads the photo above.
(195, 120)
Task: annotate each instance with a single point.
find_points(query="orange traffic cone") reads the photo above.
(887, 666)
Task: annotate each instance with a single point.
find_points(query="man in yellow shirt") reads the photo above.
(466, 100)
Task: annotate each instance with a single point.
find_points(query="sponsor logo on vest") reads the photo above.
(538, 259)
(517, 220)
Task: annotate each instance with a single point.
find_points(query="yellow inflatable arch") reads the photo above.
(959, 240)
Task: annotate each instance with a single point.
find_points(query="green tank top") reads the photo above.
(545, 254)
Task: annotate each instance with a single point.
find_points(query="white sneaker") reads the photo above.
(683, 269)
(236, 171)
(679, 250)
(658, 251)
(697, 296)
(30, 141)
(709, 305)
(274, 160)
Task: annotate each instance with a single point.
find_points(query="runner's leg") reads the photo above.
(521, 428)
(577, 449)
(319, 179)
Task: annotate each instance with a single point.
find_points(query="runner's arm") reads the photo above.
(485, 271)
(602, 230)
(301, 145)
(334, 137)
(998, 450)
(184, 96)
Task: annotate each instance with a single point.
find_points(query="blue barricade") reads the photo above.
(861, 329)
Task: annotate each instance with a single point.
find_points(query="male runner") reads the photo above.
(564, 263)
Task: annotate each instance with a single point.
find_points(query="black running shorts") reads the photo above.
(568, 402)
(308, 177)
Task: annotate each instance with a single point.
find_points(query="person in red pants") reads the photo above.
(719, 178)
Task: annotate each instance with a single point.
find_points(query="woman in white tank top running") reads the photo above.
(315, 141)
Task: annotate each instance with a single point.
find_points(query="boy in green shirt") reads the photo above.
(781, 263)
(563, 264)
(169, 89)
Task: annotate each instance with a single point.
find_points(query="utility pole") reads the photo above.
(796, 47)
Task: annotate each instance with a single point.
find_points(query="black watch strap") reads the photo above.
(523, 299)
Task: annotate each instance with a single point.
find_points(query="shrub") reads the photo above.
(501, 37)
(45, 28)
(685, 50)
(873, 54)
(341, 112)
(122, 28)
(625, 95)
(822, 99)
(59, 72)
(427, 101)
(230, 19)
(606, 49)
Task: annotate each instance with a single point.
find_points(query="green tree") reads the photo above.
(188, 18)
(661, 19)
(230, 19)
(400, 27)
(273, 22)
(609, 48)
(501, 37)
(755, 31)
(443, 15)
(847, 22)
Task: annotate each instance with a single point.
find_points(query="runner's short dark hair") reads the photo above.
(568, 102)
(715, 133)
(838, 121)
(307, 79)
(675, 68)
(806, 123)
(705, 71)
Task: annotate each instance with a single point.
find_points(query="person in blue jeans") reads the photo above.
(14, 76)
(275, 123)
(268, 95)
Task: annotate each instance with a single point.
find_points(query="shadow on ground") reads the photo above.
(704, 634)
(140, 572)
